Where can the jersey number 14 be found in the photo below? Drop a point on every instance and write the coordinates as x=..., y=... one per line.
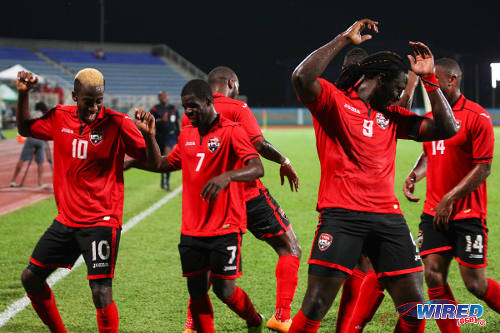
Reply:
x=438, y=146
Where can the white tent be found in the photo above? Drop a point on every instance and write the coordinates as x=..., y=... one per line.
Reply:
x=11, y=73
x=7, y=94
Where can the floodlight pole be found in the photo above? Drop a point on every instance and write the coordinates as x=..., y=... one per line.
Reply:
x=101, y=34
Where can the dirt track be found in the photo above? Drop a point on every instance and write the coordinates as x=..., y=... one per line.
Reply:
x=15, y=198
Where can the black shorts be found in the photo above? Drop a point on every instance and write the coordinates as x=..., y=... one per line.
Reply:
x=265, y=218
x=466, y=240
x=219, y=254
x=343, y=234
x=61, y=245
x=167, y=140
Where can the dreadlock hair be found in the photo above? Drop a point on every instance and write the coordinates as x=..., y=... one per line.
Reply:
x=383, y=62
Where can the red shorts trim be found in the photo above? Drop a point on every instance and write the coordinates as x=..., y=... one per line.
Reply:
x=38, y=263
x=278, y=216
x=101, y=276
x=201, y=271
x=438, y=249
x=463, y=263
x=227, y=277
x=401, y=272
x=274, y=235
x=330, y=265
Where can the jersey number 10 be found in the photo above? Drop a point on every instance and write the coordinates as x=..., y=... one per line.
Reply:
x=79, y=149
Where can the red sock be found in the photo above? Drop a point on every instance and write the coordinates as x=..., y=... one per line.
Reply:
x=189, y=325
x=203, y=314
x=45, y=306
x=444, y=292
x=406, y=326
x=350, y=292
x=302, y=324
x=492, y=296
x=287, y=270
x=371, y=294
x=107, y=319
x=241, y=304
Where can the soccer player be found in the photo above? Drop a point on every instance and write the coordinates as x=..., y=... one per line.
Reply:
x=90, y=142
x=356, y=133
x=453, y=223
x=168, y=126
x=217, y=158
x=362, y=292
x=265, y=219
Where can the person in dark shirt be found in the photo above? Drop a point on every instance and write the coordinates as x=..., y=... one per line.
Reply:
x=167, y=130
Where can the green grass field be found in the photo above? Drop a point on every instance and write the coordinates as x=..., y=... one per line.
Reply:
x=149, y=291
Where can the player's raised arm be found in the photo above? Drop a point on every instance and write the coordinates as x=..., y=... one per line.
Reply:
x=304, y=77
x=24, y=83
x=417, y=173
x=271, y=153
x=145, y=122
x=444, y=125
x=407, y=99
x=252, y=170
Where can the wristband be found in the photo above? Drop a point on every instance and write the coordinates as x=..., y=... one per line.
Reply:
x=430, y=82
x=286, y=162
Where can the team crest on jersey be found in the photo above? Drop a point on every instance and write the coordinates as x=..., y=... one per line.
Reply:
x=324, y=241
x=420, y=239
x=213, y=144
x=96, y=136
x=382, y=121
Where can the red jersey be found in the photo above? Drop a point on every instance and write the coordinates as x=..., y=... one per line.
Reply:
x=450, y=160
x=224, y=148
x=239, y=112
x=88, y=163
x=357, y=149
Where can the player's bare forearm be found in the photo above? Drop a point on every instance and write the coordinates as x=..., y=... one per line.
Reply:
x=252, y=170
x=304, y=77
x=470, y=182
x=268, y=151
x=153, y=156
x=23, y=117
x=444, y=125
x=420, y=168
x=406, y=100
x=164, y=166
x=417, y=173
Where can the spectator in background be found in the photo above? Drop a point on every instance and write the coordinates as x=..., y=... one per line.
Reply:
x=167, y=130
x=32, y=147
x=99, y=54
x=60, y=93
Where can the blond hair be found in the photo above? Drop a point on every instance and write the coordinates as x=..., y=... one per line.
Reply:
x=89, y=76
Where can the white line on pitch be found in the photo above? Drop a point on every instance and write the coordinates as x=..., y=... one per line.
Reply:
x=61, y=273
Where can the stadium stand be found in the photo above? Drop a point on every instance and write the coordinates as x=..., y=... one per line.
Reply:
x=133, y=75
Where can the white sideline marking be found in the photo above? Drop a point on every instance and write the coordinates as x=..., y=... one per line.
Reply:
x=61, y=273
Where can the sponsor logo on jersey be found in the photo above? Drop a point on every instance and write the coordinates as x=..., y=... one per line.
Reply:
x=382, y=121
x=213, y=144
x=352, y=108
x=67, y=130
x=485, y=115
x=324, y=241
x=96, y=136
x=190, y=143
